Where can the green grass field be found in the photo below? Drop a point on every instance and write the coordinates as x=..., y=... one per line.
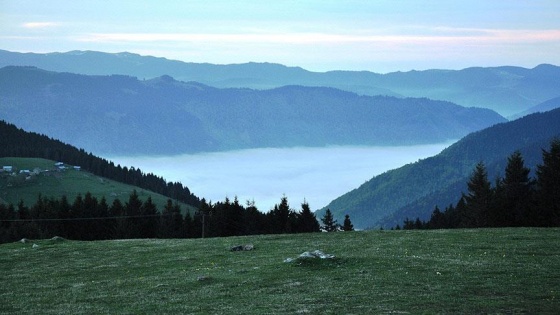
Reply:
x=504, y=271
x=69, y=182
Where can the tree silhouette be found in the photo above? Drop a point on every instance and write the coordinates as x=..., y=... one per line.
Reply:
x=479, y=197
x=307, y=222
x=548, y=186
x=347, y=225
x=329, y=223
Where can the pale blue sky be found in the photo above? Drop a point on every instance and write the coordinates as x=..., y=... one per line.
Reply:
x=318, y=35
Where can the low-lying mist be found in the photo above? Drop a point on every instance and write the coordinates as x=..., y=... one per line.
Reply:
x=317, y=175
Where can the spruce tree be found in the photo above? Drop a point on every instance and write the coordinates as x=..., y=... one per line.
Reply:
x=149, y=221
x=307, y=222
x=329, y=223
x=132, y=210
x=516, y=192
x=347, y=224
x=437, y=220
x=479, y=197
x=548, y=186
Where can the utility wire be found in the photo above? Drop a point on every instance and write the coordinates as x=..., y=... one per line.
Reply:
x=90, y=218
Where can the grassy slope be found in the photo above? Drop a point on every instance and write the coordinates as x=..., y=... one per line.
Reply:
x=457, y=271
x=69, y=183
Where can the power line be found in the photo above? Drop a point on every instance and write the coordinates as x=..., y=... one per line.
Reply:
x=88, y=219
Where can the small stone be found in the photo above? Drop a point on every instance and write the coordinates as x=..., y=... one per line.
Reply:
x=236, y=248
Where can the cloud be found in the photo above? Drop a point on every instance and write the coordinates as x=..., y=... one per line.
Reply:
x=39, y=25
x=437, y=35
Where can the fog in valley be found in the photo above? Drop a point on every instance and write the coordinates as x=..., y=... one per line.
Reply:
x=317, y=175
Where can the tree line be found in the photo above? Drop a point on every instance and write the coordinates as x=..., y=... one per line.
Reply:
x=514, y=200
x=88, y=218
x=16, y=142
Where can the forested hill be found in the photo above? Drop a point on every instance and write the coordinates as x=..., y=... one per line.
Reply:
x=123, y=115
x=415, y=189
x=507, y=90
x=15, y=142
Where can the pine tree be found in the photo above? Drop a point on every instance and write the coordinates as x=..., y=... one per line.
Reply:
x=516, y=193
x=132, y=210
x=166, y=222
x=347, y=225
x=118, y=223
x=548, y=186
x=479, y=197
x=283, y=218
x=307, y=222
x=149, y=222
x=437, y=220
x=329, y=223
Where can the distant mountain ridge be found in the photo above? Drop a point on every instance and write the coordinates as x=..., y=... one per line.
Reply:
x=121, y=115
x=415, y=189
x=540, y=108
x=508, y=90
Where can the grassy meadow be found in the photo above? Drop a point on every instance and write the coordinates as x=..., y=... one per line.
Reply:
x=509, y=271
x=69, y=182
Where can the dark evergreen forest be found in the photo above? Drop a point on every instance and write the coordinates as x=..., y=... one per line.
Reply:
x=513, y=200
x=88, y=218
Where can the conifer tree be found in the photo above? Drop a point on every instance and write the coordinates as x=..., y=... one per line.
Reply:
x=515, y=193
x=347, y=225
x=118, y=223
x=282, y=217
x=437, y=220
x=548, y=186
x=149, y=221
x=479, y=197
x=171, y=221
x=307, y=222
x=132, y=209
x=329, y=223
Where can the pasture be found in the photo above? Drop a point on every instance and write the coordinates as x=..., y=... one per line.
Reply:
x=508, y=271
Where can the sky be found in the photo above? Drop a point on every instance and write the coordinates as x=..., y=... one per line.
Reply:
x=318, y=35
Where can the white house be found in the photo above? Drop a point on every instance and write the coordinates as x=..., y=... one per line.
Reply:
x=7, y=168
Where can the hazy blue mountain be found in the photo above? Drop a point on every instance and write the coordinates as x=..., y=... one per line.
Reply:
x=507, y=90
x=122, y=115
x=415, y=189
x=542, y=107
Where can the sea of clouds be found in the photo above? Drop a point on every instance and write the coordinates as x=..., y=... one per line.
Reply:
x=317, y=175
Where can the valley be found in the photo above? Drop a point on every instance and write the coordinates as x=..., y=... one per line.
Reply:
x=264, y=175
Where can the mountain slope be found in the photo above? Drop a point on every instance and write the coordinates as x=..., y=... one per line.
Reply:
x=507, y=90
x=48, y=181
x=27, y=150
x=123, y=115
x=542, y=107
x=415, y=189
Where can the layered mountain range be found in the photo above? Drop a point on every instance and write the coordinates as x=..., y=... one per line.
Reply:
x=127, y=104
x=121, y=115
x=507, y=90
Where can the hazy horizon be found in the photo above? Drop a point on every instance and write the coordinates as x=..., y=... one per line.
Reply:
x=316, y=175
x=377, y=36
